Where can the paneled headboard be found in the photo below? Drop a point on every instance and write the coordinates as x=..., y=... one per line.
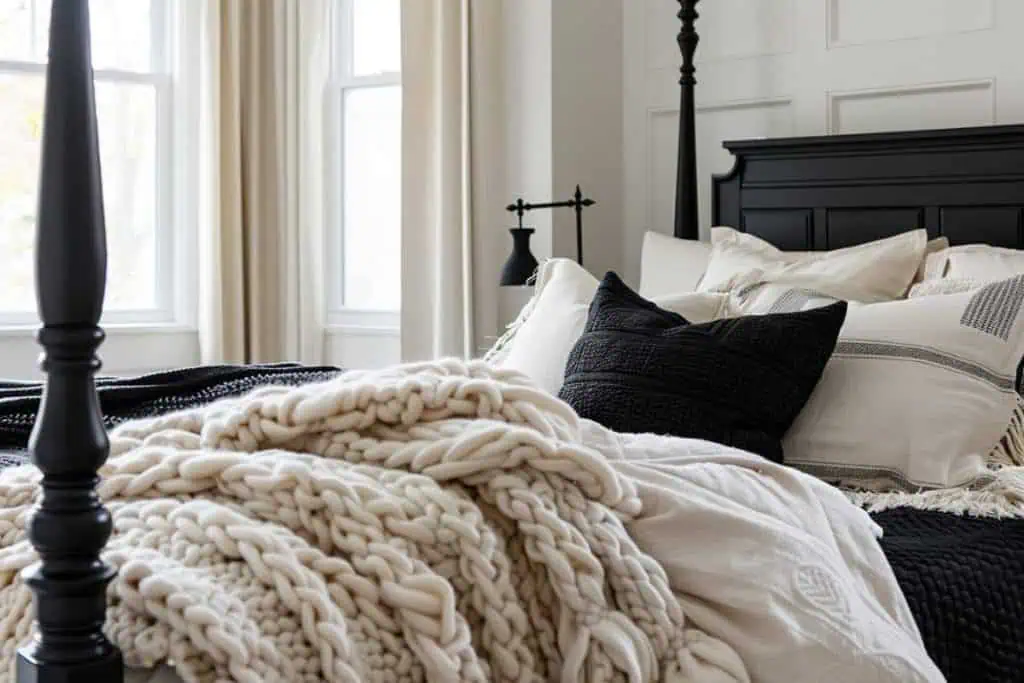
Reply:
x=834, y=191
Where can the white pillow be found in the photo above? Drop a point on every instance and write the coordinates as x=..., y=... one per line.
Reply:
x=933, y=247
x=881, y=270
x=948, y=285
x=669, y=265
x=761, y=298
x=918, y=391
x=554, y=319
x=974, y=261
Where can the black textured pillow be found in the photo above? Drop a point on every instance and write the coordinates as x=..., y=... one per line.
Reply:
x=638, y=368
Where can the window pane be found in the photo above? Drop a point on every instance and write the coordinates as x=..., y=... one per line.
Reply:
x=127, y=129
x=121, y=33
x=15, y=29
x=20, y=128
x=127, y=148
x=372, y=210
x=376, y=37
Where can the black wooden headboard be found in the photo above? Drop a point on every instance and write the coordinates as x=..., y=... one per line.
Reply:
x=834, y=191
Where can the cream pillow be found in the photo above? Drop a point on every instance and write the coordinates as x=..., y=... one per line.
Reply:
x=881, y=270
x=919, y=392
x=947, y=285
x=723, y=233
x=669, y=265
x=554, y=319
x=980, y=262
x=761, y=298
x=934, y=246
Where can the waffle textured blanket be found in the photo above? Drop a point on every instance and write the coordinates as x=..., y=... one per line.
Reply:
x=450, y=522
x=965, y=576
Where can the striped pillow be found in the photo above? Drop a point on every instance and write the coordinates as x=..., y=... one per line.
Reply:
x=918, y=392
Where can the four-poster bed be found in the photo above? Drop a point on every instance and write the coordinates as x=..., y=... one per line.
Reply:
x=812, y=193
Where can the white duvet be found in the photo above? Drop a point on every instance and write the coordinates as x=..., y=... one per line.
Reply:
x=777, y=564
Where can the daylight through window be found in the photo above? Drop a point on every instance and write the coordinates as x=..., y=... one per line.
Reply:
x=130, y=40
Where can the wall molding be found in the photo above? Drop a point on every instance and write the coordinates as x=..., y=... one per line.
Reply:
x=791, y=17
x=732, y=105
x=832, y=40
x=835, y=98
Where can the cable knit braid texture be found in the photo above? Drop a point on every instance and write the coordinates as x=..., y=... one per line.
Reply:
x=440, y=521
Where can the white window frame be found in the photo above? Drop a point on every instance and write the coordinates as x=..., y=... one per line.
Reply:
x=342, y=79
x=166, y=336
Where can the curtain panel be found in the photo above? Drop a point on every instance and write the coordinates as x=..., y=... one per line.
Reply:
x=265, y=67
x=452, y=175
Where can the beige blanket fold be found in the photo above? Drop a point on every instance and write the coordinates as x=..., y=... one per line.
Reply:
x=440, y=522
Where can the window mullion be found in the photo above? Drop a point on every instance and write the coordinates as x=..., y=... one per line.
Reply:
x=10, y=66
x=343, y=44
x=160, y=25
x=33, y=49
x=371, y=81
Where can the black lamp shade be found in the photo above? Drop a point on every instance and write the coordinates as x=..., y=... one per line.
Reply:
x=521, y=264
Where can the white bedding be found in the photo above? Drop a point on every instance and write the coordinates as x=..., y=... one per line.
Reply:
x=774, y=562
x=775, y=575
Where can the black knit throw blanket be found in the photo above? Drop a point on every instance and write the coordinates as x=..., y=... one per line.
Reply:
x=963, y=577
x=147, y=396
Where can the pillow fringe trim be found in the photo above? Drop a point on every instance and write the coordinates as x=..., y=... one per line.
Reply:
x=1001, y=497
x=1010, y=449
x=999, y=493
x=539, y=277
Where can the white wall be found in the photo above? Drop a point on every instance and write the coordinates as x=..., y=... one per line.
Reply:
x=564, y=95
x=529, y=107
x=805, y=67
x=587, y=127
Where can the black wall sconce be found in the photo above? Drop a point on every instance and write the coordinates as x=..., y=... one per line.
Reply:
x=521, y=264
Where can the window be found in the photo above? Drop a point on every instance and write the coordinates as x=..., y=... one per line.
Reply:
x=366, y=208
x=138, y=98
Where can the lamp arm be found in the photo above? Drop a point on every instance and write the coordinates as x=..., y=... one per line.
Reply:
x=576, y=203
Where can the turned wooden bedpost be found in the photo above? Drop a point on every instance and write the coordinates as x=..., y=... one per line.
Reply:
x=686, y=219
x=70, y=527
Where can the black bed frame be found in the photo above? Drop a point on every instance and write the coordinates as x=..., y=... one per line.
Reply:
x=798, y=193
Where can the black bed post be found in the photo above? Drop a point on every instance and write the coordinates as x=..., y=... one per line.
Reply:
x=686, y=222
x=69, y=443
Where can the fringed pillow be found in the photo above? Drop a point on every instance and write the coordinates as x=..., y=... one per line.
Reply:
x=920, y=393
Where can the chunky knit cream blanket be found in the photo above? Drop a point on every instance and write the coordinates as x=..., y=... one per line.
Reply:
x=439, y=522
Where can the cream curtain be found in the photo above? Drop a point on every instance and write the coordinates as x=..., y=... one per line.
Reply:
x=265, y=67
x=452, y=175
